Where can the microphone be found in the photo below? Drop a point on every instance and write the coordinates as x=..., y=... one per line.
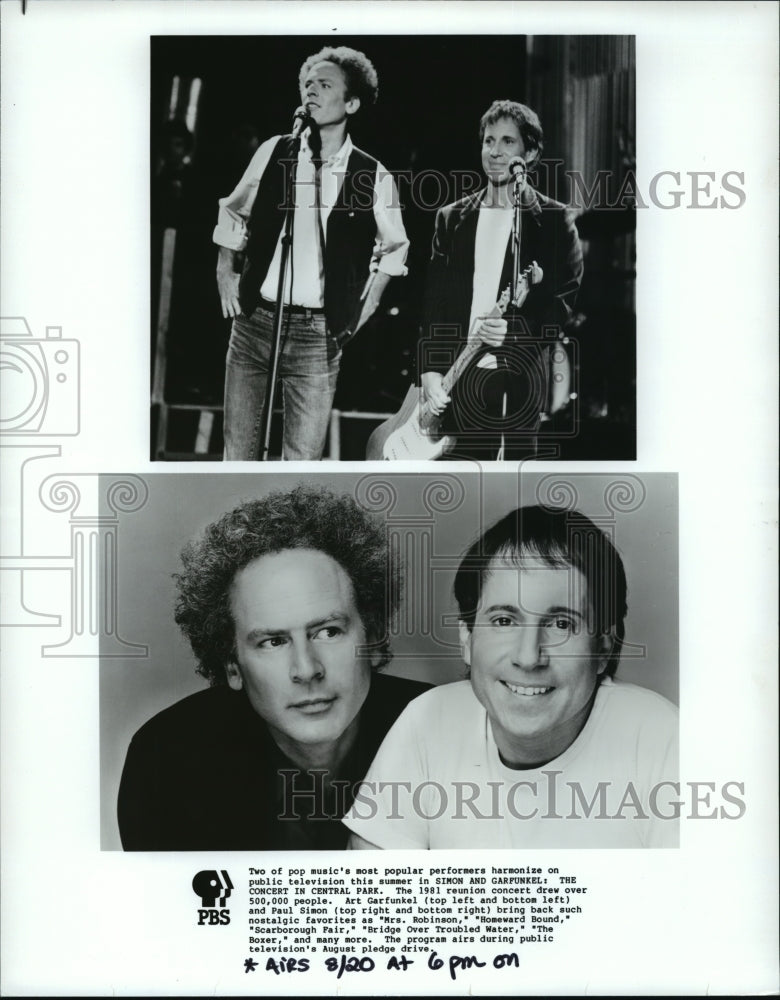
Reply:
x=517, y=169
x=301, y=119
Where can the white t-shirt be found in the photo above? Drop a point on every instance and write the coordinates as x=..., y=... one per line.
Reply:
x=438, y=780
x=494, y=227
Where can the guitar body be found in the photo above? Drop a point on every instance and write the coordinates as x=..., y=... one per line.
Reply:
x=403, y=436
x=414, y=433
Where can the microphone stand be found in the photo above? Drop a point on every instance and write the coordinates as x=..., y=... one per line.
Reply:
x=517, y=190
x=286, y=247
x=518, y=178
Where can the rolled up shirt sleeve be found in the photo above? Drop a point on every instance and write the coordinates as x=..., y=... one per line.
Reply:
x=391, y=255
x=234, y=210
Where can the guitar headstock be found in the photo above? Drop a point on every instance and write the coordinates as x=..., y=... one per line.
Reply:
x=503, y=301
x=531, y=275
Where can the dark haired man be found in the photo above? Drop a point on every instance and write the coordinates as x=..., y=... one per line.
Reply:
x=347, y=223
x=516, y=375
x=550, y=750
x=286, y=603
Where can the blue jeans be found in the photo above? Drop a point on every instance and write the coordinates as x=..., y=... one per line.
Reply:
x=308, y=369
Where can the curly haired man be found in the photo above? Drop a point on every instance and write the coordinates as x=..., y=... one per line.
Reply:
x=286, y=603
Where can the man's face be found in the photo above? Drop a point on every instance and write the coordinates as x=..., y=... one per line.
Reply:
x=534, y=658
x=297, y=633
x=501, y=142
x=324, y=94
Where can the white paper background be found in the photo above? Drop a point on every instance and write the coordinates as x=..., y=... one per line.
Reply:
x=75, y=254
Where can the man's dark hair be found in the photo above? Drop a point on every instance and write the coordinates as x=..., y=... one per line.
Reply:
x=527, y=121
x=359, y=73
x=303, y=518
x=560, y=538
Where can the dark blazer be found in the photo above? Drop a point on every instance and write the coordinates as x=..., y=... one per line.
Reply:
x=205, y=774
x=548, y=236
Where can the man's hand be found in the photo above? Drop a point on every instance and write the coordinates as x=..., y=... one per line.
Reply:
x=433, y=392
x=492, y=331
x=532, y=275
x=227, y=283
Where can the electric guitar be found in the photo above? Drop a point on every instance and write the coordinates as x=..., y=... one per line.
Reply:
x=414, y=433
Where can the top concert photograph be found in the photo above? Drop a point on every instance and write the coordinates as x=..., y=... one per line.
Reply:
x=403, y=248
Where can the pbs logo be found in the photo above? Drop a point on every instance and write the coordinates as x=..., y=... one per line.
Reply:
x=213, y=887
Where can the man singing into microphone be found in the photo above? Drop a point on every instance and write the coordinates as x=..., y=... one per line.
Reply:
x=347, y=224
x=520, y=370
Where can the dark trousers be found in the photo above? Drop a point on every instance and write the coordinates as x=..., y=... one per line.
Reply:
x=496, y=412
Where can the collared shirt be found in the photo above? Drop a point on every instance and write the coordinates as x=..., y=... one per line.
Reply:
x=307, y=270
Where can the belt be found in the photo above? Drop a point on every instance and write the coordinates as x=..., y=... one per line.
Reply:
x=293, y=310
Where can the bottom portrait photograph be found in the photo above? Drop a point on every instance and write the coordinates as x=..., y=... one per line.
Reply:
x=370, y=662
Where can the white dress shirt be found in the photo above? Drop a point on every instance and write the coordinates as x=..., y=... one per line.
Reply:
x=307, y=268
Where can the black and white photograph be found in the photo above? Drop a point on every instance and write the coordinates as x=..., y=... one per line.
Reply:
x=503, y=164
x=535, y=616
x=498, y=718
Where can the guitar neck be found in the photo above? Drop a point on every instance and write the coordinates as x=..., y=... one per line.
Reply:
x=462, y=362
x=471, y=349
x=473, y=344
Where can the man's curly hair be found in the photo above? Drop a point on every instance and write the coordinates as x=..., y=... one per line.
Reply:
x=303, y=518
x=359, y=73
